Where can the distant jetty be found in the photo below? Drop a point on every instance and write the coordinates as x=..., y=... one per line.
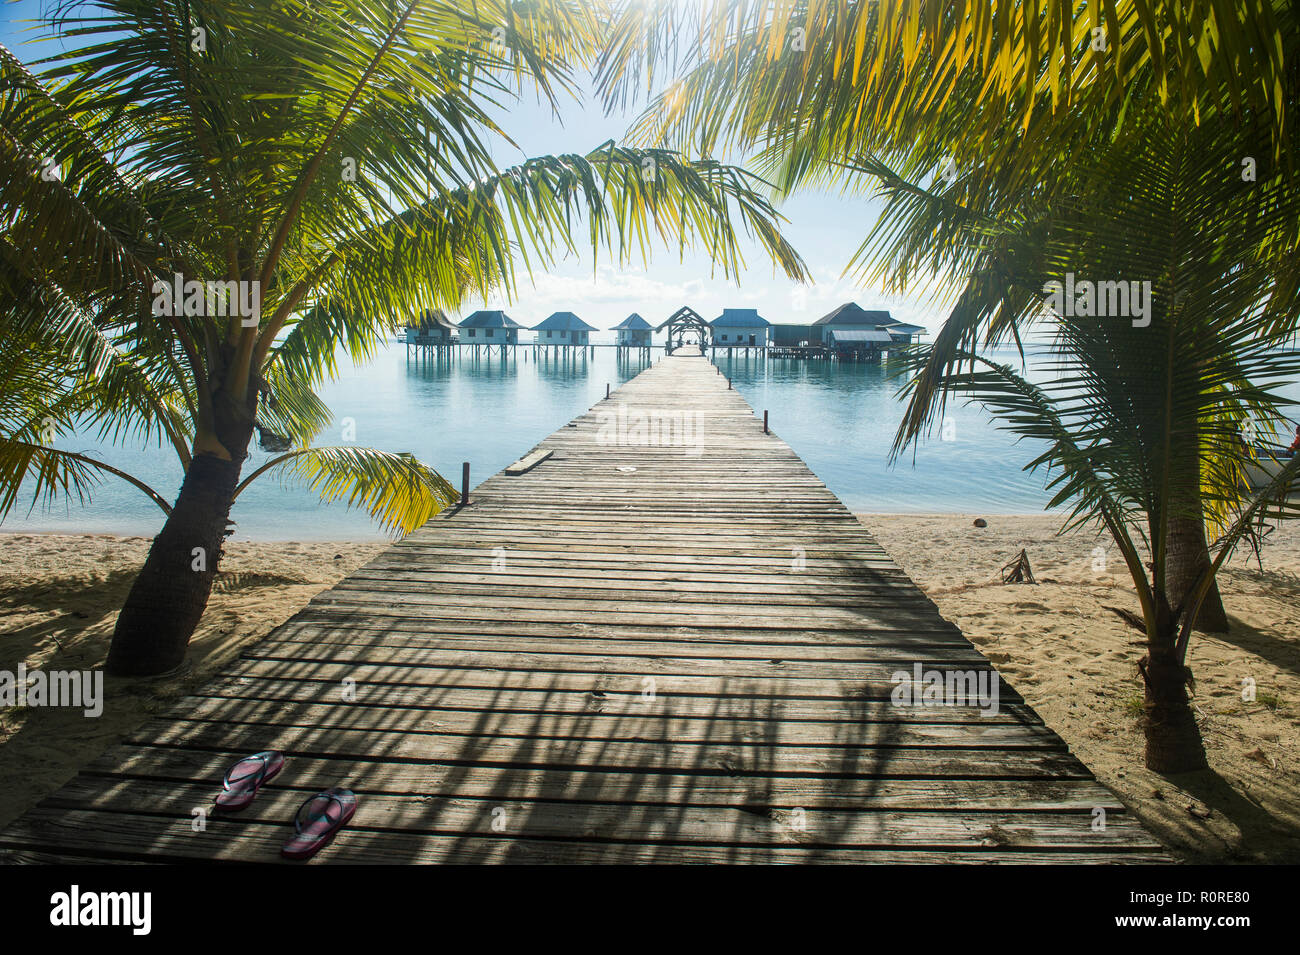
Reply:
x=849, y=333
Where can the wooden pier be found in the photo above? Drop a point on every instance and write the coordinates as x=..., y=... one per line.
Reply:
x=665, y=642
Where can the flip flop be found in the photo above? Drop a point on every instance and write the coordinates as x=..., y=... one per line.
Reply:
x=318, y=819
x=246, y=777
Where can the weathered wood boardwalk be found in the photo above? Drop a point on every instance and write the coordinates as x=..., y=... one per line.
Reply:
x=648, y=648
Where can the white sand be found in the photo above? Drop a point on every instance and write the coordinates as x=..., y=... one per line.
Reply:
x=1075, y=662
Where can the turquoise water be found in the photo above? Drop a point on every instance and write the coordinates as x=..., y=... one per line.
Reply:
x=839, y=417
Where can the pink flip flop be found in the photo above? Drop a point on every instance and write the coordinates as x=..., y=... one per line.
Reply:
x=246, y=777
x=318, y=819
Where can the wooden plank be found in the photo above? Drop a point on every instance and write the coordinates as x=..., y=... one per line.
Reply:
x=159, y=838
x=755, y=823
x=438, y=659
x=910, y=728
x=540, y=700
x=529, y=461
x=318, y=626
x=686, y=645
x=632, y=787
x=666, y=680
x=871, y=754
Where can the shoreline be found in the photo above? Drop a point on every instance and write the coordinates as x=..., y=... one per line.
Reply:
x=1058, y=643
x=377, y=540
x=381, y=540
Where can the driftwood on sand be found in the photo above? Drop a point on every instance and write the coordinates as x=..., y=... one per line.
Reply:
x=1017, y=571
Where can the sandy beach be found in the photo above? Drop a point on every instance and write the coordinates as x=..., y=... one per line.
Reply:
x=1075, y=661
x=1058, y=643
x=59, y=597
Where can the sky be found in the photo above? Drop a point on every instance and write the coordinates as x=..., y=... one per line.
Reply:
x=825, y=228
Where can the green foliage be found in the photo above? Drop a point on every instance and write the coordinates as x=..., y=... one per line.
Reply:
x=395, y=489
x=339, y=157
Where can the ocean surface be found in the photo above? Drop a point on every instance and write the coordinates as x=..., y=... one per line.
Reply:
x=840, y=418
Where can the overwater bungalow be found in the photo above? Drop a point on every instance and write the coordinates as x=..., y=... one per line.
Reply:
x=904, y=333
x=563, y=328
x=740, y=328
x=858, y=342
x=855, y=333
x=431, y=327
x=851, y=317
x=489, y=327
x=794, y=336
x=633, y=332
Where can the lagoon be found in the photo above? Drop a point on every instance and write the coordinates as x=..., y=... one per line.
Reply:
x=840, y=418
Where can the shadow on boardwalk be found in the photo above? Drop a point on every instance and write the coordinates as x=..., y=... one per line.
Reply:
x=607, y=660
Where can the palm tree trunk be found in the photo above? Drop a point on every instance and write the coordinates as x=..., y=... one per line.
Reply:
x=1173, y=740
x=172, y=589
x=1188, y=556
x=1187, y=553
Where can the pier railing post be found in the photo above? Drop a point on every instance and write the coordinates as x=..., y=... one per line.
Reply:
x=765, y=431
x=464, y=484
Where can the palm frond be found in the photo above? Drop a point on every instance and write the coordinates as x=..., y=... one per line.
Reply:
x=53, y=474
x=396, y=490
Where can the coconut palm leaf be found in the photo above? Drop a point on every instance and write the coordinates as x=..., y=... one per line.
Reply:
x=53, y=474
x=837, y=73
x=110, y=390
x=396, y=490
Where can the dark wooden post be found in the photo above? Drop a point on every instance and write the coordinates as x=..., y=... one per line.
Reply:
x=607, y=391
x=765, y=431
x=464, y=484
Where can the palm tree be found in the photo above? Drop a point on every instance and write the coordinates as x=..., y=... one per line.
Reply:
x=1141, y=423
x=1108, y=422
x=316, y=170
x=39, y=401
x=1137, y=158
